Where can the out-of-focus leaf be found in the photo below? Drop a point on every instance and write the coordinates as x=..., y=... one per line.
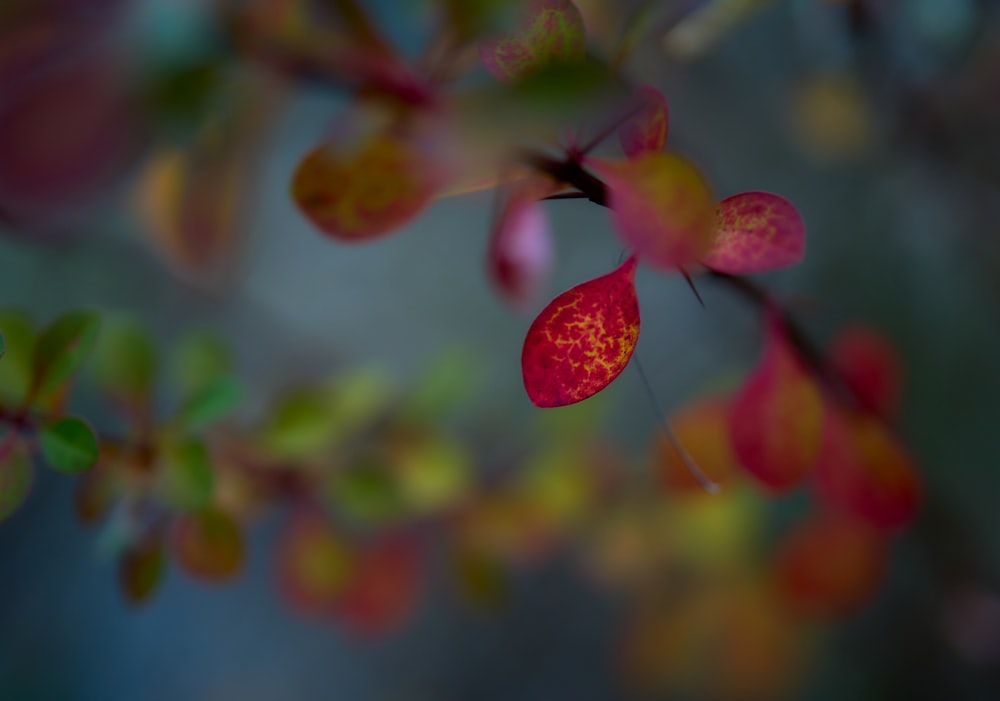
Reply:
x=582, y=340
x=864, y=471
x=212, y=402
x=832, y=119
x=15, y=475
x=385, y=588
x=61, y=348
x=366, y=493
x=559, y=484
x=830, y=565
x=702, y=428
x=556, y=94
x=548, y=32
x=185, y=479
x=432, y=470
x=123, y=360
x=480, y=579
x=53, y=159
x=521, y=252
x=69, y=445
x=661, y=207
x=96, y=492
x=646, y=130
x=314, y=564
x=301, y=425
x=200, y=359
x=15, y=367
x=208, y=544
x=754, y=232
x=871, y=367
x=776, y=418
x=140, y=570
x=357, y=192
x=450, y=381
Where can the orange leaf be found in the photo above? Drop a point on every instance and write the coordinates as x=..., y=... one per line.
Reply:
x=702, y=428
x=661, y=207
x=362, y=192
x=776, y=418
x=208, y=545
x=582, y=340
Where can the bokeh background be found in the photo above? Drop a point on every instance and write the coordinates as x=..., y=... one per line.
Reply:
x=879, y=119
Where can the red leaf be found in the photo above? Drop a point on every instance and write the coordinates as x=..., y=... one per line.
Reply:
x=754, y=232
x=831, y=565
x=646, y=130
x=364, y=191
x=864, y=471
x=385, y=588
x=870, y=366
x=549, y=31
x=661, y=207
x=521, y=251
x=775, y=422
x=582, y=340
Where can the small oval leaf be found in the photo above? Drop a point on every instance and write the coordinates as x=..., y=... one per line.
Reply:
x=755, y=232
x=775, y=420
x=314, y=564
x=141, y=568
x=521, y=250
x=15, y=475
x=61, y=349
x=864, y=471
x=871, y=368
x=549, y=31
x=212, y=402
x=208, y=545
x=360, y=192
x=582, y=340
x=69, y=445
x=661, y=207
x=646, y=130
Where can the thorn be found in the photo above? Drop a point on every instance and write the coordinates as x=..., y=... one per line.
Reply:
x=690, y=282
x=566, y=196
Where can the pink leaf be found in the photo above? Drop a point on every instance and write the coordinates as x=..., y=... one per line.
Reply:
x=754, y=232
x=549, y=31
x=776, y=419
x=521, y=251
x=646, y=130
x=661, y=207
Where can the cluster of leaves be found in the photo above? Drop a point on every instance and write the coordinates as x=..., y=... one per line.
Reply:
x=373, y=482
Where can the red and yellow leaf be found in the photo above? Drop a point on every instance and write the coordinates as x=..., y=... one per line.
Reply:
x=661, y=207
x=582, y=340
x=549, y=31
x=870, y=366
x=754, y=232
x=357, y=193
x=776, y=418
x=864, y=471
x=646, y=130
x=521, y=250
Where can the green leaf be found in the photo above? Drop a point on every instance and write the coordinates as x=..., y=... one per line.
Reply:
x=366, y=493
x=123, y=360
x=141, y=569
x=3, y=345
x=15, y=475
x=185, y=479
x=69, y=445
x=450, y=382
x=200, y=359
x=61, y=349
x=15, y=369
x=302, y=424
x=211, y=403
